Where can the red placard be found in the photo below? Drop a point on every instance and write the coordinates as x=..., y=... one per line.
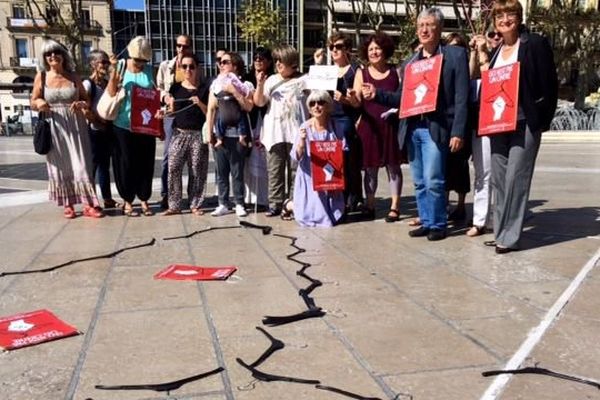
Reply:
x=327, y=165
x=178, y=272
x=32, y=328
x=144, y=105
x=499, y=100
x=420, y=86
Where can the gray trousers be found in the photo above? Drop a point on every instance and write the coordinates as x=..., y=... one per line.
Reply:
x=278, y=161
x=513, y=159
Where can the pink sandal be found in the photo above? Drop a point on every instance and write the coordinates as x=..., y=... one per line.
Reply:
x=92, y=212
x=69, y=212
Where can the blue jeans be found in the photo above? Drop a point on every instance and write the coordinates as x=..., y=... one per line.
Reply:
x=102, y=147
x=428, y=168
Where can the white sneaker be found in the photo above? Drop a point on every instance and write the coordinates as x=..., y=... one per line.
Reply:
x=240, y=211
x=221, y=210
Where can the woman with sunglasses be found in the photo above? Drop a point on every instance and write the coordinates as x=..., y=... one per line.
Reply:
x=378, y=136
x=514, y=153
x=186, y=145
x=344, y=117
x=310, y=207
x=233, y=100
x=283, y=93
x=59, y=93
x=481, y=47
x=255, y=171
x=133, y=152
x=101, y=134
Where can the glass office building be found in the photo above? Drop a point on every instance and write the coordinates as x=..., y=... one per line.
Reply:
x=212, y=24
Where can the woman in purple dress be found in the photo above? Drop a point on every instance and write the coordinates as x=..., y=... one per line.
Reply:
x=310, y=207
x=376, y=128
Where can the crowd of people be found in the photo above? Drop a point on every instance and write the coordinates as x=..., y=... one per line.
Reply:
x=260, y=125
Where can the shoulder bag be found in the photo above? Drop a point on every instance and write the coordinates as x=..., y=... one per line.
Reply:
x=42, y=135
x=108, y=106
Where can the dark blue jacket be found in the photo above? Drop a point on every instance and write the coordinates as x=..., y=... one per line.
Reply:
x=450, y=117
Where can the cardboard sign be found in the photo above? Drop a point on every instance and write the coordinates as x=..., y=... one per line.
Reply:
x=32, y=328
x=327, y=165
x=322, y=77
x=177, y=272
x=498, y=107
x=144, y=105
x=420, y=86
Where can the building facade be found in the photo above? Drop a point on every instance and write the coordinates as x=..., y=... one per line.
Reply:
x=212, y=24
x=126, y=24
x=21, y=35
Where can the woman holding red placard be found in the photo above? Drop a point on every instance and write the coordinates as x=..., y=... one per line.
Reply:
x=514, y=153
x=310, y=207
x=133, y=162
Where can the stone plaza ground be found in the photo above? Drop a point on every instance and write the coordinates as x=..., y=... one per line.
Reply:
x=405, y=318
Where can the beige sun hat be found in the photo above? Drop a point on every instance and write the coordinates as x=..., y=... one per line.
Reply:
x=139, y=47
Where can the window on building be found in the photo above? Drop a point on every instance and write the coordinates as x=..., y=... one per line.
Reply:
x=51, y=14
x=85, y=18
x=86, y=49
x=18, y=11
x=21, y=48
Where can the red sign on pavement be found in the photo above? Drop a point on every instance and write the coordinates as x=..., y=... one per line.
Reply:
x=420, y=86
x=499, y=100
x=180, y=272
x=35, y=327
x=327, y=165
x=144, y=105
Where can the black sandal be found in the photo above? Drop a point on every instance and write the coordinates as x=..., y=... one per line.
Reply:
x=287, y=214
x=393, y=216
x=272, y=212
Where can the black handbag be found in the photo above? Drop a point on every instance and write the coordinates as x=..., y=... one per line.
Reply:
x=42, y=136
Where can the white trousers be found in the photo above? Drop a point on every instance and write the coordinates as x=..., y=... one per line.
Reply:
x=481, y=194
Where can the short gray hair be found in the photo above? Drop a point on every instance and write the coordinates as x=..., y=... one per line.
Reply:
x=432, y=12
x=49, y=45
x=96, y=55
x=319, y=95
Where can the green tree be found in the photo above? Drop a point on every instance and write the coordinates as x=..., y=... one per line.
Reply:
x=575, y=36
x=62, y=18
x=260, y=22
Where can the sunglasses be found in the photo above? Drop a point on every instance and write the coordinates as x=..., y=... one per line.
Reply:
x=104, y=62
x=53, y=53
x=183, y=46
x=492, y=35
x=313, y=103
x=259, y=58
x=336, y=46
x=190, y=67
x=224, y=62
x=140, y=60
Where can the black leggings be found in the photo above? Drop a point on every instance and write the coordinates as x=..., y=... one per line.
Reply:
x=133, y=164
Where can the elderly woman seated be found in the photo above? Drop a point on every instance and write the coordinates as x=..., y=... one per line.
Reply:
x=315, y=207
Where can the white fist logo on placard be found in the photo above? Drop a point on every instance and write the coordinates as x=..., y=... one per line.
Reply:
x=146, y=116
x=20, y=326
x=499, y=105
x=420, y=92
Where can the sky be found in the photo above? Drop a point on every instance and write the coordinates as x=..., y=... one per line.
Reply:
x=129, y=4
